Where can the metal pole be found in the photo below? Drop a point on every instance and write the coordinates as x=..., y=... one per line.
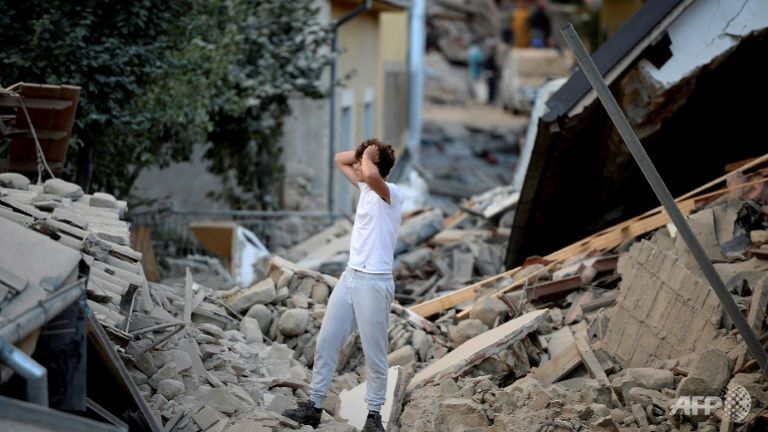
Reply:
x=33, y=372
x=416, y=75
x=332, y=132
x=662, y=193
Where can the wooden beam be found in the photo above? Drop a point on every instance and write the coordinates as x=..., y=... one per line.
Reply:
x=30, y=103
x=455, y=219
x=605, y=300
x=560, y=366
x=755, y=162
x=593, y=365
x=448, y=301
x=188, y=283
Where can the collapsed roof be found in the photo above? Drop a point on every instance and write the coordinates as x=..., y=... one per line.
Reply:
x=666, y=67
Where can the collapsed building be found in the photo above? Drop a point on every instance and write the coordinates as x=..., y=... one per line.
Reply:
x=666, y=66
x=606, y=324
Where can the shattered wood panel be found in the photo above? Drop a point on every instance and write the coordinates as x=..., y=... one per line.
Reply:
x=477, y=349
x=594, y=367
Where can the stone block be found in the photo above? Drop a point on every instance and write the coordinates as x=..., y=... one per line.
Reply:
x=63, y=189
x=293, y=322
x=206, y=417
x=251, y=330
x=262, y=314
x=170, y=388
x=487, y=310
x=402, y=357
x=14, y=181
x=262, y=293
x=169, y=371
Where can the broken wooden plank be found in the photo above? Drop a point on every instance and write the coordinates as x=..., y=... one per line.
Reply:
x=450, y=300
x=558, y=341
x=593, y=365
x=454, y=219
x=454, y=235
x=188, y=283
x=561, y=365
x=477, y=349
x=30, y=103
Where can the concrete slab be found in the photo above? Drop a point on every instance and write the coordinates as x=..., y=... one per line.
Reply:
x=559, y=341
x=35, y=257
x=355, y=411
x=478, y=348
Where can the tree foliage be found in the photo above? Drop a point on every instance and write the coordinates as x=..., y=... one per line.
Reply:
x=160, y=77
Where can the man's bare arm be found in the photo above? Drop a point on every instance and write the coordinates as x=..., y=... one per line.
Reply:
x=344, y=162
x=371, y=173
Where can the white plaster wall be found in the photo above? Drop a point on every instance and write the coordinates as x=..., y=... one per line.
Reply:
x=706, y=30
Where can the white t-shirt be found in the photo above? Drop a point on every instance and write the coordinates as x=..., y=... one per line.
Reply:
x=374, y=234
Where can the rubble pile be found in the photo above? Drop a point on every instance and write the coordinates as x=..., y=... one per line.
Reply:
x=203, y=358
x=630, y=330
x=588, y=338
x=454, y=24
x=433, y=253
x=461, y=159
x=447, y=261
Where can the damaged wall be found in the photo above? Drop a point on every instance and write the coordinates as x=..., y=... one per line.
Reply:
x=659, y=318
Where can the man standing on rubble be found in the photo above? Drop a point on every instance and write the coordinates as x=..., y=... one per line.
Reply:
x=365, y=291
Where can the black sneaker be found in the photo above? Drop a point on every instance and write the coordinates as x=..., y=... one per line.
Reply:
x=373, y=422
x=305, y=414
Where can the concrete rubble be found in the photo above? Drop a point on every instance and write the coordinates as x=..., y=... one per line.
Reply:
x=614, y=332
x=643, y=328
x=589, y=340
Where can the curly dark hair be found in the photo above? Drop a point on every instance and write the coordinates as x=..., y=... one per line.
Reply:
x=386, y=155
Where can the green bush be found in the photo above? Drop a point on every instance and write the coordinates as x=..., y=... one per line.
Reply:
x=158, y=77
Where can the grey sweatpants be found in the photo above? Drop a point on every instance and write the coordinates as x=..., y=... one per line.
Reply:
x=359, y=300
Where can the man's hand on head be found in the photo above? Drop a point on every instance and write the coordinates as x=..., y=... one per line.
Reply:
x=372, y=152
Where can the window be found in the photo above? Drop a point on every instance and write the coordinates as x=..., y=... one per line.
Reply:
x=369, y=130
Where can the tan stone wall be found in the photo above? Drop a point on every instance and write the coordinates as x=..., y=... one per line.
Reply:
x=663, y=311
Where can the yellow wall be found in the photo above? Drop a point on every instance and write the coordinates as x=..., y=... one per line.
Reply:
x=393, y=48
x=358, y=41
x=368, y=42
